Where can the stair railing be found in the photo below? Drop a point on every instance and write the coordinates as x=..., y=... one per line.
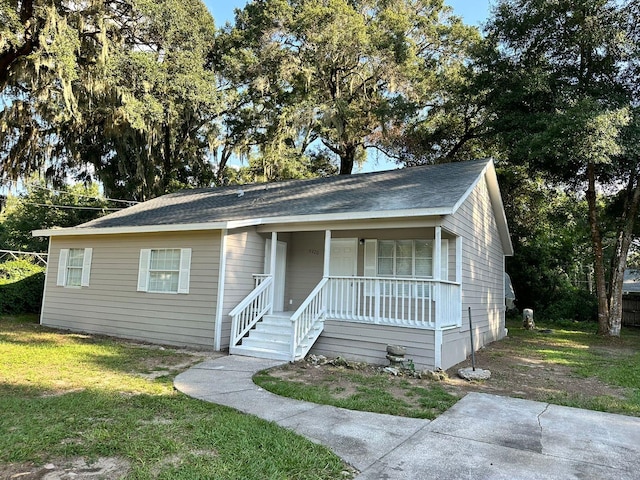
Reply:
x=250, y=310
x=306, y=316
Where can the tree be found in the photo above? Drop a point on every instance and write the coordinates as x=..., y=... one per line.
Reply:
x=121, y=90
x=41, y=208
x=550, y=268
x=564, y=100
x=342, y=74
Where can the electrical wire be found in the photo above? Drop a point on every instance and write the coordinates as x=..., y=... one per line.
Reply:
x=72, y=207
x=131, y=202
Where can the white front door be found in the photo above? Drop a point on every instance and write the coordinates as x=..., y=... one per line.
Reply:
x=280, y=273
x=343, y=262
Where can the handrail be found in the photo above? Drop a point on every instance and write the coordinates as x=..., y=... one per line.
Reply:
x=307, y=314
x=250, y=310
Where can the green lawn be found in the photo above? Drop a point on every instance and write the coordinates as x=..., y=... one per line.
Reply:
x=371, y=392
x=575, y=345
x=65, y=396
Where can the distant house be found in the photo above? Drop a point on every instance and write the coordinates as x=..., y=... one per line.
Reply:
x=631, y=297
x=340, y=266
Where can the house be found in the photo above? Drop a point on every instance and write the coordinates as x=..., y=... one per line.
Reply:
x=338, y=266
x=631, y=297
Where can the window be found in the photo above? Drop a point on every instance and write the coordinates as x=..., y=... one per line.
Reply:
x=164, y=270
x=405, y=258
x=74, y=267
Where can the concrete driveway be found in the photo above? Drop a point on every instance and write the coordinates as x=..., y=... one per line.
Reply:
x=481, y=437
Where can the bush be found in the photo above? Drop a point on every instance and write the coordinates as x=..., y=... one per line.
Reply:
x=21, y=287
x=573, y=304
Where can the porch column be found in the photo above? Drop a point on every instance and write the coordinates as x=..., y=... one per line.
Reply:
x=437, y=254
x=458, y=259
x=437, y=271
x=272, y=267
x=327, y=253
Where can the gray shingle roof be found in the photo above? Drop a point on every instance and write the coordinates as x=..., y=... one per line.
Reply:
x=432, y=187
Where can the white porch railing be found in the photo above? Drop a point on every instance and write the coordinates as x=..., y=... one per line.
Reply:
x=305, y=318
x=248, y=312
x=394, y=301
x=258, y=278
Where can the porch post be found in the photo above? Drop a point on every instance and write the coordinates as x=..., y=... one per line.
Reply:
x=272, y=267
x=327, y=253
x=437, y=271
x=459, y=277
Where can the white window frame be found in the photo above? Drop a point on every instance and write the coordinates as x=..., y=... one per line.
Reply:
x=371, y=248
x=443, y=267
x=64, y=267
x=184, y=271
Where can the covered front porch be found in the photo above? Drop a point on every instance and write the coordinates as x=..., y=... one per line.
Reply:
x=407, y=278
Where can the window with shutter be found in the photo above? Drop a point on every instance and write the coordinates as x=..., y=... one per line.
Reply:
x=164, y=270
x=74, y=267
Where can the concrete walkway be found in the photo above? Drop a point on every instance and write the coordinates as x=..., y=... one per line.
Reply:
x=481, y=437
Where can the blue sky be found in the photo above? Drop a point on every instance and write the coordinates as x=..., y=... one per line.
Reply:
x=474, y=12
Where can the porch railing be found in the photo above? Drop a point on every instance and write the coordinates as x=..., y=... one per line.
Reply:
x=394, y=301
x=304, y=319
x=248, y=312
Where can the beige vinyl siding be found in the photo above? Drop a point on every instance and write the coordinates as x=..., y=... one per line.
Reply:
x=482, y=276
x=244, y=257
x=368, y=343
x=111, y=304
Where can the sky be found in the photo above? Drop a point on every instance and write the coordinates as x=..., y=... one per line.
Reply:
x=473, y=12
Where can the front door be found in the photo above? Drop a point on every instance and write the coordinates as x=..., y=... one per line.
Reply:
x=280, y=273
x=343, y=262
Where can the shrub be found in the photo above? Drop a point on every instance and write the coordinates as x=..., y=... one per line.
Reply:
x=573, y=304
x=21, y=287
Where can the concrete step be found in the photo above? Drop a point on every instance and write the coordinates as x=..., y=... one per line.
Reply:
x=274, y=345
x=270, y=335
x=270, y=328
x=278, y=319
x=259, y=353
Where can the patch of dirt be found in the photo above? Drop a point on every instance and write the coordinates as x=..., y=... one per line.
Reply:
x=67, y=469
x=526, y=377
x=512, y=374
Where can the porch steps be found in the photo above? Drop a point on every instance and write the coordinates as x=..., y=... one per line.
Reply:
x=271, y=339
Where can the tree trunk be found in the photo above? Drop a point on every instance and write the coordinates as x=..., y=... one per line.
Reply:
x=347, y=159
x=598, y=257
x=619, y=262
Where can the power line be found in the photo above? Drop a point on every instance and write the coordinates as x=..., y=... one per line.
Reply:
x=131, y=202
x=73, y=207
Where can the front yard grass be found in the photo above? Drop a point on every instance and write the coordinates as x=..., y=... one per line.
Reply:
x=570, y=366
x=358, y=387
x=66, y=396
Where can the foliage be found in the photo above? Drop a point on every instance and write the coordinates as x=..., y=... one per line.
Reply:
x=21, y=287
x=343, y=75
x=117, y=90
x=563, y=100
x=38, y=208
x=67, y=395
x=551, y=266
